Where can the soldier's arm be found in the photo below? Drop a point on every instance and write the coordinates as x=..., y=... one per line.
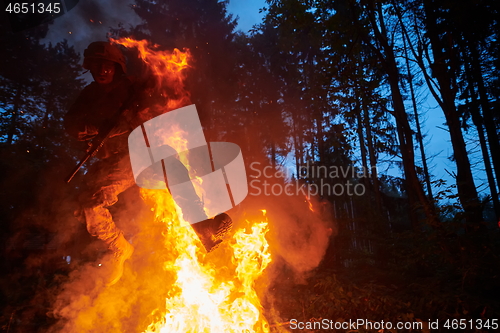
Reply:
x=77, y=121
x=138, y=111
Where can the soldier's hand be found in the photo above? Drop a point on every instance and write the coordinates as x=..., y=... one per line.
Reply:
x=122, y=127
x=88, y=133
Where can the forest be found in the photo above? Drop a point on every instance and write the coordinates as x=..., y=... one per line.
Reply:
x=326, y=92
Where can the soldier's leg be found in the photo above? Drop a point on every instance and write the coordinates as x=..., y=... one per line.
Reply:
x=210, y=231
x=97, y=216
x=107, y=179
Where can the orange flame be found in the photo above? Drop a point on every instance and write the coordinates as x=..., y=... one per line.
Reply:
x=168, y=69
x=204, y=297
x=311, y=208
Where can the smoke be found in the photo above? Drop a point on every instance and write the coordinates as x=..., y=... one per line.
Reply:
x=90, y=21
x=300, y=228
x=40, y=241
x=80, y=302
x=302, y=236
x=83, y=303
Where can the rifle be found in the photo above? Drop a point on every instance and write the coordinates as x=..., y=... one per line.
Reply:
x=102, y=136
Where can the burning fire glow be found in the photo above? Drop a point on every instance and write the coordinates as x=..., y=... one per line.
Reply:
x=168, y=68
x=206, y=296
x=309, y=203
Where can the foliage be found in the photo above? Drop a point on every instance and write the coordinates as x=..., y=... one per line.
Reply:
x=420, y=280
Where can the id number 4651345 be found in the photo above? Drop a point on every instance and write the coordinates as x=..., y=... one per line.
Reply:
x=471, y=324
x=33, y=8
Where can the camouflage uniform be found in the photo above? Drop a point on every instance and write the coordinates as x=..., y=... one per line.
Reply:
x=112, y=173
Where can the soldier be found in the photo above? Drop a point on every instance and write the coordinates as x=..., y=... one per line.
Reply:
x=112, y=173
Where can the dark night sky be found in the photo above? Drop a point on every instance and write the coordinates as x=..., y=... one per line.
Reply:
x=76, y=25
x=77, y=28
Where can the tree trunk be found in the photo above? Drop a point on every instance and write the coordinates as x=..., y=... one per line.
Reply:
x=297, y=143
x=414, y=189
x=372, y=173
x=362, y=146
x=467, y=192
x=362, y=124
x=489, y=122
x=417, y=124
x=478, y=122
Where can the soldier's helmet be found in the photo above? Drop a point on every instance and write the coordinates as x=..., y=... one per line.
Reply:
x=104, y=50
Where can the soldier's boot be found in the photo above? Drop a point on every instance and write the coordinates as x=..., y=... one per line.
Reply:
x=122, y=251
x=211, y=231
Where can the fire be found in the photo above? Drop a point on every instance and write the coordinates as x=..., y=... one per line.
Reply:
x=168, y=69
x=204, y=297
x=175, y=138
x=311, y=208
